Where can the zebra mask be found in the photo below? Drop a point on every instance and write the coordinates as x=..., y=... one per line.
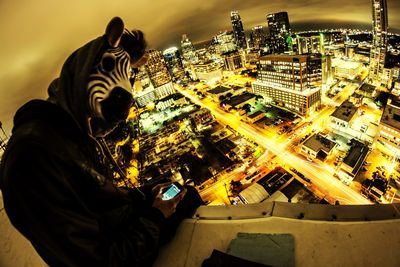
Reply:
x=96, y=80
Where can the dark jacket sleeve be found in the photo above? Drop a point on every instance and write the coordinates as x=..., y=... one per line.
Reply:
x=46, y=206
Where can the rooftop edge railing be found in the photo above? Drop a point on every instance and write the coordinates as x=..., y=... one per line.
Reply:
x=215, y=226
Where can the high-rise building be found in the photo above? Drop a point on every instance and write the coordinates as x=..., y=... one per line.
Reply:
x=173, y=60
x=155, y=80
x=310, y=44
x=225, y=42
x=157, y=69
x=389, y=127
x=232, y=61
x=379, y=39
x=327, y=71
x=291, y=81
x=257, y=37
x=188, y=51
x=279, y=28
x=238, y=31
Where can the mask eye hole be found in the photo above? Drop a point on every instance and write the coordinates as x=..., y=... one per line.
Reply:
x=108, y=63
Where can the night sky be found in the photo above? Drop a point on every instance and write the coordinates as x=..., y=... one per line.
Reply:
x=37, y=36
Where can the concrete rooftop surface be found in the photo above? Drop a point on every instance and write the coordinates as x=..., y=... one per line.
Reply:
x=324, y=235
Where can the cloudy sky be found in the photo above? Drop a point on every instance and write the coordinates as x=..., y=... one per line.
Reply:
x=36, y=36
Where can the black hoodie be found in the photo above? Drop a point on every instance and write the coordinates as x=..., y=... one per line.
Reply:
x=53, y=183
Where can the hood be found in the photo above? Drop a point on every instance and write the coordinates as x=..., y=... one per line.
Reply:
x=45, y=111
x=69, y=92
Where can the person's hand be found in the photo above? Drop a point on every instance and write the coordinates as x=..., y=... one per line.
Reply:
x=167, y=207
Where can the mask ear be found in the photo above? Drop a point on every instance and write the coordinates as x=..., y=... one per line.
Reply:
x=114, y=31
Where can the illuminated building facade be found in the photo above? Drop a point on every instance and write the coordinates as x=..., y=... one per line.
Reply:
x=238, y=31
x=171, y=100
x=146, y=96
x=347, y=69
x=207, y=71
x=225, y=42
x=151, y=94
x=257, y=37
x=292, y=81
x=279, y=28
x=174, y=63
x=310, y=45
x=232, y=61
x=188, y=51
x=155, y=81
x=327, y=71
x=389, y=127
x=157, y=69
x=396, y=81
x=379, y=39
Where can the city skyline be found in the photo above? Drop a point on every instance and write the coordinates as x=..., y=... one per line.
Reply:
x=36, y=38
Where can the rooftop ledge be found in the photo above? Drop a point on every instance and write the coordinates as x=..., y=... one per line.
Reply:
x=324, y=235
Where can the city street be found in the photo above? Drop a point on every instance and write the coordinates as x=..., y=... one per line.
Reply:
x=320, y=175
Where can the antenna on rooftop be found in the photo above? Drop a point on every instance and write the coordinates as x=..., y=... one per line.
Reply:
x=3, y=138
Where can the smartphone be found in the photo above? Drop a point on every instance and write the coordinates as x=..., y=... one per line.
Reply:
x=172, y=191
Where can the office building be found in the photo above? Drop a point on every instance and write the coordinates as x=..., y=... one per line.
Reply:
x=145, y=96
x=174, y=64
x=225, y=42
x=379, y=40
x=279, y=29
x=291, y=81
x=208, y=71
x=257, y=37
x=238, y=31
x=327, y=70
x=188, y=51
x=232, y=61
x=150, y=93
x=347, y=69
x=310, y=44
x=155, y=80
x=389, y=128
x=157, y=69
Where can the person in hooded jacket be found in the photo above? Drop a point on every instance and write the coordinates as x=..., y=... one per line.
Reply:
x=55, y=173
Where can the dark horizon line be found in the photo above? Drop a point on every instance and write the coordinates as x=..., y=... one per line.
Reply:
x=396, y=32
x=296, y=27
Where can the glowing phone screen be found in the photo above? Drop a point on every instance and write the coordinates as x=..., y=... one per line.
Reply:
x=171, y=192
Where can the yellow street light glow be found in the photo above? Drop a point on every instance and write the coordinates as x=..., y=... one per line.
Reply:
x=150, y=106
x=321, y=177
x=391, y=167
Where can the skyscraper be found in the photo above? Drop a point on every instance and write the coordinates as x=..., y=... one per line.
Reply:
x=257, y=37
x=279, y=28
x=310, y=44
x=291, y=81
x=157, y=69
x=232, y=61
x=379, y=39
x=174, y=63
x=188, y=51
x=225, y=42
x=238, y=31
x=155, y=80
